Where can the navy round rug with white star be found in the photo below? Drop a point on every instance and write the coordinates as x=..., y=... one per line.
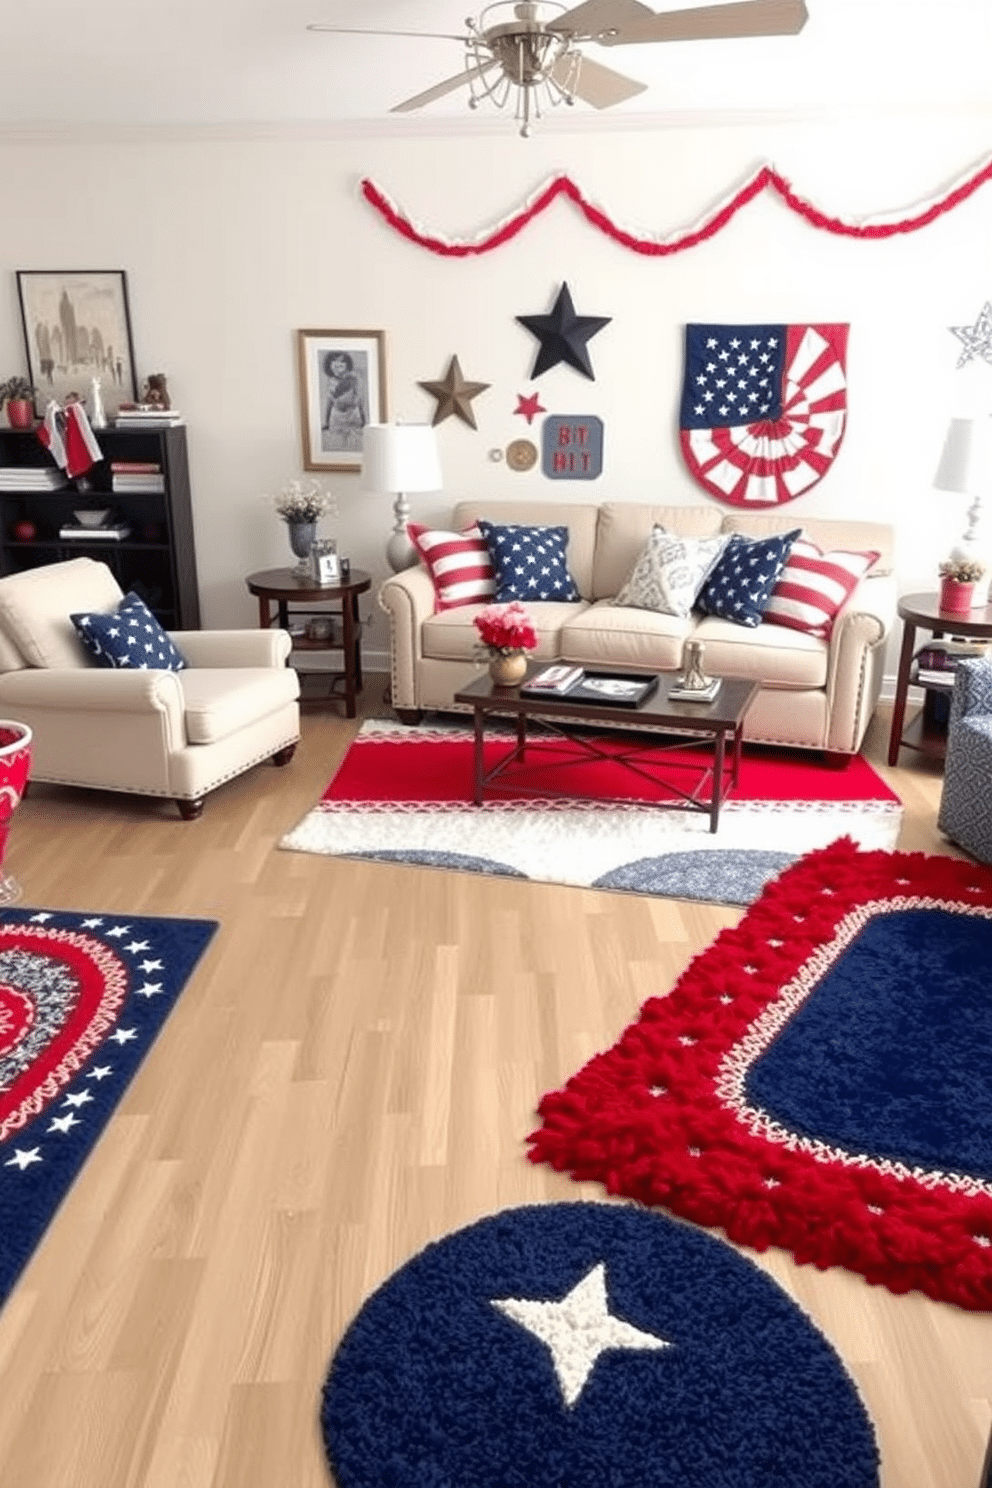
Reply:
x=589, y=1346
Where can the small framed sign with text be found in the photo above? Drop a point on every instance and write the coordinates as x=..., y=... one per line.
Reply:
x=573, y=447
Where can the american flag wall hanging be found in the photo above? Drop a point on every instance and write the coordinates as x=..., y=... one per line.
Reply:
x=764, y=408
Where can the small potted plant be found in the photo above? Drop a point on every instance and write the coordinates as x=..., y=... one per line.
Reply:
x=958, y=577
x=18, y=394
x=507, y=633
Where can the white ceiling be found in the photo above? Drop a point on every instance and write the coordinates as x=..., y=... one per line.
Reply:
x=250, y=65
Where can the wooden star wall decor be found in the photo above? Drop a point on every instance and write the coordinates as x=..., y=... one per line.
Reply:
x=454, y=395
x=563, y=335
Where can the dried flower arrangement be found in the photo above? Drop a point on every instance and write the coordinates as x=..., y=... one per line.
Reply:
x=962, y=570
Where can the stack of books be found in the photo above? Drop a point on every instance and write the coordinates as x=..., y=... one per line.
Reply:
x=32, y=478
x=136, y=475
x=147, y=416
x=554, y=681
x=112, y=532
x=934, y=665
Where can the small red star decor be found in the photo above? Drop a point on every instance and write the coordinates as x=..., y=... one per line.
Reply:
x=530, y=407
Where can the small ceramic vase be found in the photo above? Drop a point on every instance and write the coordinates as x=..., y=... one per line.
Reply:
x=508, y=670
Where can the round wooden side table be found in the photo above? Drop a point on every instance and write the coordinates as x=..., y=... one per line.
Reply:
x=281, y=588
x=924, y=610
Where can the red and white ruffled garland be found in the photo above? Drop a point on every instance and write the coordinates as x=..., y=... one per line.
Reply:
x=765, y=178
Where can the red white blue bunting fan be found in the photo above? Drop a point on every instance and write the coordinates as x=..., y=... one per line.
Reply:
x=763, y=409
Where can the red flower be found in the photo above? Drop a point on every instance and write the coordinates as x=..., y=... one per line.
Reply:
x=506, y=628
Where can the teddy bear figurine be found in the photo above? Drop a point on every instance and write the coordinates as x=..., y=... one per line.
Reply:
x=155, y=393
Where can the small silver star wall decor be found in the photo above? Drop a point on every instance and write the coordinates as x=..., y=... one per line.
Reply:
x=976, y=339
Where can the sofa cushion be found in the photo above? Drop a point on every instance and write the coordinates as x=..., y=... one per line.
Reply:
x=459, y=564
x=450, y=635
x=814, y=585
x=670, y=572
x=581, y=519
x=741, y=583
x=35, y=605
x=625, y=526
x=856, y=535
x=131, y=638
x=606, y=634
x=530, y=562
x=768, y=654
x=221, y=701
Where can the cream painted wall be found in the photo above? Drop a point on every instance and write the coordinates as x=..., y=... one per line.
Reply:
x=231, y=245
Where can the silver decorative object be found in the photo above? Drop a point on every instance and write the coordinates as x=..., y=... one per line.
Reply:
x=693, y=678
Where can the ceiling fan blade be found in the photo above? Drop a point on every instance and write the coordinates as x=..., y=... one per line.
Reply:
x=359, y=31
x=594, y=17
x=596, y=84
x=713, y=22
x=461, y=80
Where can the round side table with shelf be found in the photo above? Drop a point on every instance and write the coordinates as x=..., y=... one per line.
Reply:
x=926, y=732
x=333, y=607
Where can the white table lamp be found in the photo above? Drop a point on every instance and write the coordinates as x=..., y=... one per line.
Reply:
x=966, y=466
x=400, y=458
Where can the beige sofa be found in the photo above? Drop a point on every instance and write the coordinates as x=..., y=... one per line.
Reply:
x=814, y=694
x=155, y=733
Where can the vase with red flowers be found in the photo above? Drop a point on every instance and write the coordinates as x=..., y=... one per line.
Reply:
x=508, y=633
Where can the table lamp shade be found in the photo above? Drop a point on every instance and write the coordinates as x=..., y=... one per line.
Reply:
x=400, y=458
x=966, y=459
x=966, y=466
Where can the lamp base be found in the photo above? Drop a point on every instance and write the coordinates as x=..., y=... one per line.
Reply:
x=400, y=552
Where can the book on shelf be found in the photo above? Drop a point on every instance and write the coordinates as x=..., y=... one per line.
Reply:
x=113, y=532
x=135, y=467
x=147, y=418
x=133, y=484
x=553, y=681
x=935, y=665
x=31, y=478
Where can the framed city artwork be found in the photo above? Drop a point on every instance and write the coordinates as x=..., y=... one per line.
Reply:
x=77, y=327
x=342, y=388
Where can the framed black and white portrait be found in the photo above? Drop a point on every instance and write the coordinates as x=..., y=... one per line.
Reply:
x=342, y=388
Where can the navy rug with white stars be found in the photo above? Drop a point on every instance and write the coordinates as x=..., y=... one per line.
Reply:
x=82, y=997
x=586, y=1345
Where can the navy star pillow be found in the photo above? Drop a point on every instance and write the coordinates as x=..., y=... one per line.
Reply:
x=131, y=639
x=530, y=562
x=740, y=586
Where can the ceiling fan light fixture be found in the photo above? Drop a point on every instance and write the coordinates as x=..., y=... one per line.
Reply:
x=538, y=69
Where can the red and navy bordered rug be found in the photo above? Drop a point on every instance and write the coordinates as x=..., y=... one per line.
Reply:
x=818, y=1079
x=82, y=997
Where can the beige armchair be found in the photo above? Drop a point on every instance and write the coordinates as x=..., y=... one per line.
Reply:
x=155, y=733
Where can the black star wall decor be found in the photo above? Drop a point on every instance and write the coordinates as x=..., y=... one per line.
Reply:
x=454, y=395
x=563, y=335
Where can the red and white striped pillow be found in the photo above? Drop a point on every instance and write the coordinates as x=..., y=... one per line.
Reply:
x=459, y=564
x=813, y=586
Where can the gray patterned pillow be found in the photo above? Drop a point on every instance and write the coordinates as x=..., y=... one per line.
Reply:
x=670, y=572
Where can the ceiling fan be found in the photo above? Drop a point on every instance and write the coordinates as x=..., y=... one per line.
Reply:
x=528, y=51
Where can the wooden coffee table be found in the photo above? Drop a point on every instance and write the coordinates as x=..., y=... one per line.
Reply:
x=719, y=722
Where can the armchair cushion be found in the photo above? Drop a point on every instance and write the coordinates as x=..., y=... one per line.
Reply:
x=35, y=605
x=131, y=638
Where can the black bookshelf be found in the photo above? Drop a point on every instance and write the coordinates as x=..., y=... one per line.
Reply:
x=157, y=559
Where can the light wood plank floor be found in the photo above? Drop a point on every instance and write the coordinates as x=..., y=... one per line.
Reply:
x=352, y=1072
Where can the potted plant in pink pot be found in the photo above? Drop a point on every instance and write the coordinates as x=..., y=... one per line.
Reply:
x=958, y=577
x=18, y=394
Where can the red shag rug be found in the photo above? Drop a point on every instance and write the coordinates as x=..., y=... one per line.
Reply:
x=819, y=1079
